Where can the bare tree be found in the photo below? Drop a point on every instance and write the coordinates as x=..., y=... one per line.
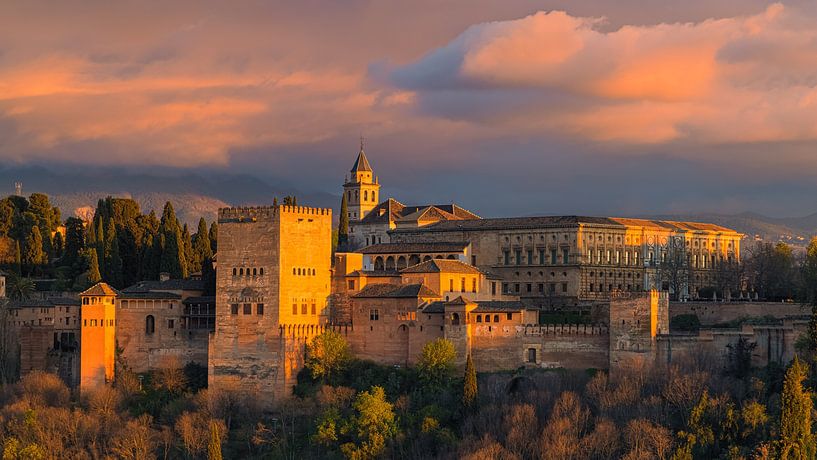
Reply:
x=9, y=345
x=674, y=268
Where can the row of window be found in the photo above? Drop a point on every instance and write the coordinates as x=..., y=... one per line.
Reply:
x=241, y=271
x=552, y=257
x=379, y=240
x=619, y=287
x=618, y=274
x=98, y=322
x=246, y=308
x=462, y=284
x=540, y=287
x=304, y=310
x=365, y=196
x=509, y=317
x=303, y=271
x=94, y=300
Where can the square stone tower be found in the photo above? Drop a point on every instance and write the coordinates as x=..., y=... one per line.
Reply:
x=273, y=280
x=636, y=319
x=97, y=336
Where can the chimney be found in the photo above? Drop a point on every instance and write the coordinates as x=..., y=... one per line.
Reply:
x=164, y=276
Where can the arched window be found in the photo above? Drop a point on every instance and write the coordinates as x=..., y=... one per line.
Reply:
x=496, y=318
x=401, y=262
x=426, y=258
x=235, y=271
x=414, y=260
x=365, y=195
x=294, y=271
x=241, y=271
x=455, y=319
x=487, y=318
x=254, y=271
x=150, y=325
x=378, y=263
x=390, y=263
x=261, y=271
x=479, y=318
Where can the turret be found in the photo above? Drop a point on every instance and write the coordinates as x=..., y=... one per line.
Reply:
x=98, y=340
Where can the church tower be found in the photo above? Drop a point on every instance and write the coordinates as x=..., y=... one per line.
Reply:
x=361, y=188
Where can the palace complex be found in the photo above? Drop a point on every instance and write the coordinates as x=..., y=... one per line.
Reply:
x=499, y=288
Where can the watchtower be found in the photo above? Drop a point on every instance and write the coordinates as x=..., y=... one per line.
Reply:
x=97, y=336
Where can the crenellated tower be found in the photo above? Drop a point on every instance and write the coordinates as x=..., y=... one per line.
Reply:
x=361, y=188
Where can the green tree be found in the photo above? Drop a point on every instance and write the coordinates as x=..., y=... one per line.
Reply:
x=343, y=225
x=469, y=387
x=374, y=423
x=114, y=266
x=699, y=437
x=18, y=258
x=33, y=255
x=327, y=354
x=57, y=246
x=6, y=216
x=437, y=361
x=796, y=439
x=94, y=276
x=100, y=244
x=290, y=200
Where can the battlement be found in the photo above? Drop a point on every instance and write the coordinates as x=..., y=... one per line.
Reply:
x=266, y=213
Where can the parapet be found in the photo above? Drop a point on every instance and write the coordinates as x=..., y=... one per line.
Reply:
x=266, y=213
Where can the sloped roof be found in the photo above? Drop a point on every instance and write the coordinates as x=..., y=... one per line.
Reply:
x=150, y=295
x=460, y=300
x=510, y=223
x=395, y=291
x=438, y=306
x=499, y=306
x=392, y=210
x=169, y=285
x=398, y=248
x=100, y=289
x=442, y=265
x=362, y=163
x=385, y=212
x=201, y=299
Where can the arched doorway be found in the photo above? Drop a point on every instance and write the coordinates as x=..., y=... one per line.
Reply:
x=401, y=262
x=390, y=263
x=378, y=264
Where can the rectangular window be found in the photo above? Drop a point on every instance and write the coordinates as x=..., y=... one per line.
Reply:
x=516, y=287
x=505, y=288
x=532, y=355
x=608, y=257
x=509, y=316
x=374, y=315
x=462, y=284
x=303, y=309
x=553, y=257
x=541, y=257
x=529, y=287
x=530, y=257
x=247, y=308
x=493, y=287
x=351, y=285
x=314, y=309
x=591, y=287
x=564, y=287
x=295, y=309
x=233, y=308
x=541, y=287
x=171, y=323
x=473, y=285
x=259, y=309
x=565, y=256
x=474, y=260
x=552, y=288
x=518, y=254
x=507, y=258
x=451, y=284
x=626, y=258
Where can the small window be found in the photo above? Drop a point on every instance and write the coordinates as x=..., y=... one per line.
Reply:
x=487, y=318
x=233, y=308
x=261, y=271
x=351, y=285
x=496, y=318
x=295, y=309
x=303, y=309
x=473, y=285
x=532, y=355
x=254, y=272
x=509, y=316
x=235, y=271
x=171, y=323
x=564, y=287
x=374, y=315
x=247, y=308
x=150, y=325
x=479, y=318
x=314, y=309
x=259, y=309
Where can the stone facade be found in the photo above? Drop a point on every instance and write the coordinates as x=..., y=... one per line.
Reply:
x=98, y=336
x=272, y=282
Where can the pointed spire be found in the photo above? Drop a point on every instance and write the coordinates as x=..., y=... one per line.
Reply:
x=362, y=163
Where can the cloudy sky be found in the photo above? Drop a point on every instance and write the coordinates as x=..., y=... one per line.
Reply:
x=507, y=107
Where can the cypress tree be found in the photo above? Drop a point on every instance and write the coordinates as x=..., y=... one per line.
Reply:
x=214, y=445
x=100, y=244
x=33, y=255
x=18, y=260
x=201, y=246
x=94, y=275
x=343, y=225
x=57, y=246
x=213, y=237
x=172, y=259
x=469, y=389
x=275, y=201
x=188, y=250
x=796, y=440
x=114, y=266
x=74, y=241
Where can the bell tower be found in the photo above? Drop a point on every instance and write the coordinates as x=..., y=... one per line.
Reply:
x=361, y=188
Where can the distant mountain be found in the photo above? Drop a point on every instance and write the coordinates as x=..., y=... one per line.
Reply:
x=792, y=230
x=193, y=196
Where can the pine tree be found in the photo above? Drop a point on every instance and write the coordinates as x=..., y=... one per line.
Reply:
x=469, y=389
x=796, y=439
x=214, y=446
x=33, y=255
x=94, y=275
x=343, y=225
